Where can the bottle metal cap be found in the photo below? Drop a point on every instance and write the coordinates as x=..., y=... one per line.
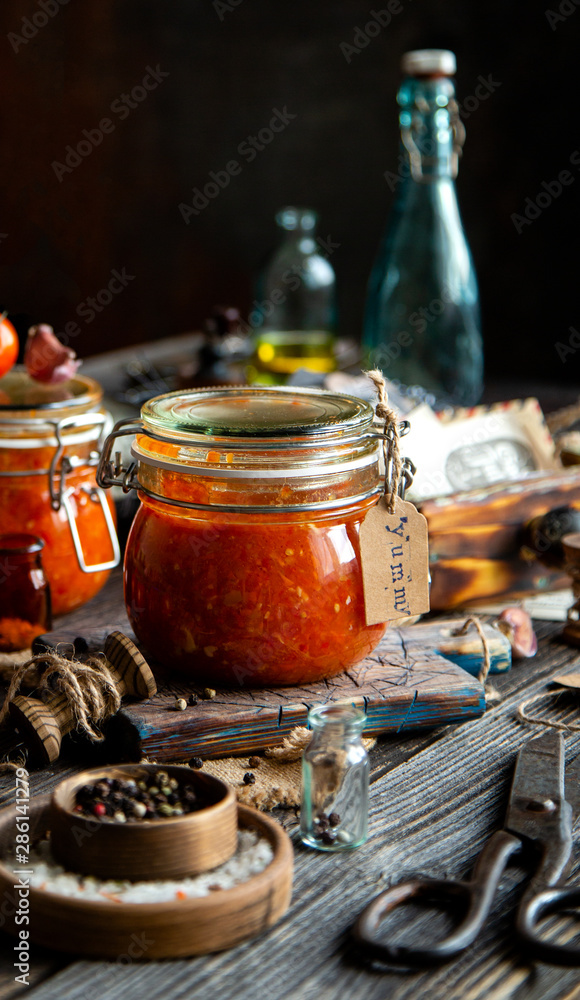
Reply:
x=428, y=62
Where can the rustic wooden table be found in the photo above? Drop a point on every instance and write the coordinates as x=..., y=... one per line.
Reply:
x=435, y=798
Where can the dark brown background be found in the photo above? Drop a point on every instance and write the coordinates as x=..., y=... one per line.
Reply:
x=119, y=207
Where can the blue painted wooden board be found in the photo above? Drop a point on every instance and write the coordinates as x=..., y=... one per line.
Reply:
x=406, y=684
x=467, y=650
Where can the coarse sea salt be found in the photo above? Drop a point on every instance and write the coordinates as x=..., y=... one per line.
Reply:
x=253, y=854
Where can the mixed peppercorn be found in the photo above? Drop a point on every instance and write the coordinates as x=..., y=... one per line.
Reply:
x=154, y=796
x=323, y=827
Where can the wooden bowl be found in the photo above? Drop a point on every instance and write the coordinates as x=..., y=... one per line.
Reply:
x=168, y=848
x=144, y=931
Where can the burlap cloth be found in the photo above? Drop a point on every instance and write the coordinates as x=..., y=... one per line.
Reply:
x=10, y=660
x=278, y=776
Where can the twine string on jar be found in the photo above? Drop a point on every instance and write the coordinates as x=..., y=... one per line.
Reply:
x=89, y=688
x=391, y=439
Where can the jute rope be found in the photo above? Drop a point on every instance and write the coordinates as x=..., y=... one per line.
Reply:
x=8, y=766
x=391, y=441
x=89, y=688
x=524, y=716
x=492, y=696
x=9, y=662
x=462, y=630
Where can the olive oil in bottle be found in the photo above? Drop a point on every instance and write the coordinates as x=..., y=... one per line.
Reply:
x=295, y=309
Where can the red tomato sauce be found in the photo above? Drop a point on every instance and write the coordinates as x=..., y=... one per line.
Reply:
x=250, y=599
x=25, y=506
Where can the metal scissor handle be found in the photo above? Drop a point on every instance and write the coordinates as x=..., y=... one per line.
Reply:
x=477, y=894
x=532, y=910
x=544, y=896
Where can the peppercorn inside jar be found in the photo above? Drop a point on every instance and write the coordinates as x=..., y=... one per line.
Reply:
x=25, y=610
x=335, y=780
x=49, y=448
x=242, y=566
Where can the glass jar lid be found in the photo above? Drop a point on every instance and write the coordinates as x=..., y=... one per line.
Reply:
x=35, y=414
x=24, y=396
x=239, y=447
x=256, y=412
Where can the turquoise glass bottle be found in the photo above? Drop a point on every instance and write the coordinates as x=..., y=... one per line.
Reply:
x=422, y=320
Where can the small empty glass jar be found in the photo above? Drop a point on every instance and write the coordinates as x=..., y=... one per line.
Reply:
x=335, y=780
x=24, y=592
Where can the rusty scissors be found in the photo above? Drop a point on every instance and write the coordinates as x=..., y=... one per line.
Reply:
x=538, y=816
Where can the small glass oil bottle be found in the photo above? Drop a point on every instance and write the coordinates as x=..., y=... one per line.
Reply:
x=335, y=780
x=295, y=308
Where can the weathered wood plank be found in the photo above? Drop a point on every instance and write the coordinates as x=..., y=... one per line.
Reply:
x=430, y=817
x=423, y=778
x=45, y=964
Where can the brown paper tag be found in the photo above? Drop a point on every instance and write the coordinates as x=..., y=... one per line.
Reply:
x=395, y=562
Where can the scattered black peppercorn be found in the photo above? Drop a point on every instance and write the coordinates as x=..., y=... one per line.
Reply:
x=249, y=778
x=254, y=762
x=196, y=763
x=192, y=700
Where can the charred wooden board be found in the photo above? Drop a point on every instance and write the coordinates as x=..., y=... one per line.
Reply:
x=404, y=685
x=457, y=583
x=476, y=540
x=481, y=541
x=413, y=680
x=441, y=635
x=506, y=503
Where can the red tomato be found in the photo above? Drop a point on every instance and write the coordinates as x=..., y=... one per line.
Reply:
x=8, y=345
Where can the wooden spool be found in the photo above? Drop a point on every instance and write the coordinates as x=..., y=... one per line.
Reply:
x=176, y=929
x=42, y=724
x=169, y=848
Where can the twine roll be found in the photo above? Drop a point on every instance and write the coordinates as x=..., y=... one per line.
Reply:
x=89, y=688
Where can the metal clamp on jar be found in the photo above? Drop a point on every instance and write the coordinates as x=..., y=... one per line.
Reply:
x=242, y=565
x=50, y=439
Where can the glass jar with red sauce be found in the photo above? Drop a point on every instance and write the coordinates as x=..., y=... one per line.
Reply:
x=49, y=449
x=242, y=566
